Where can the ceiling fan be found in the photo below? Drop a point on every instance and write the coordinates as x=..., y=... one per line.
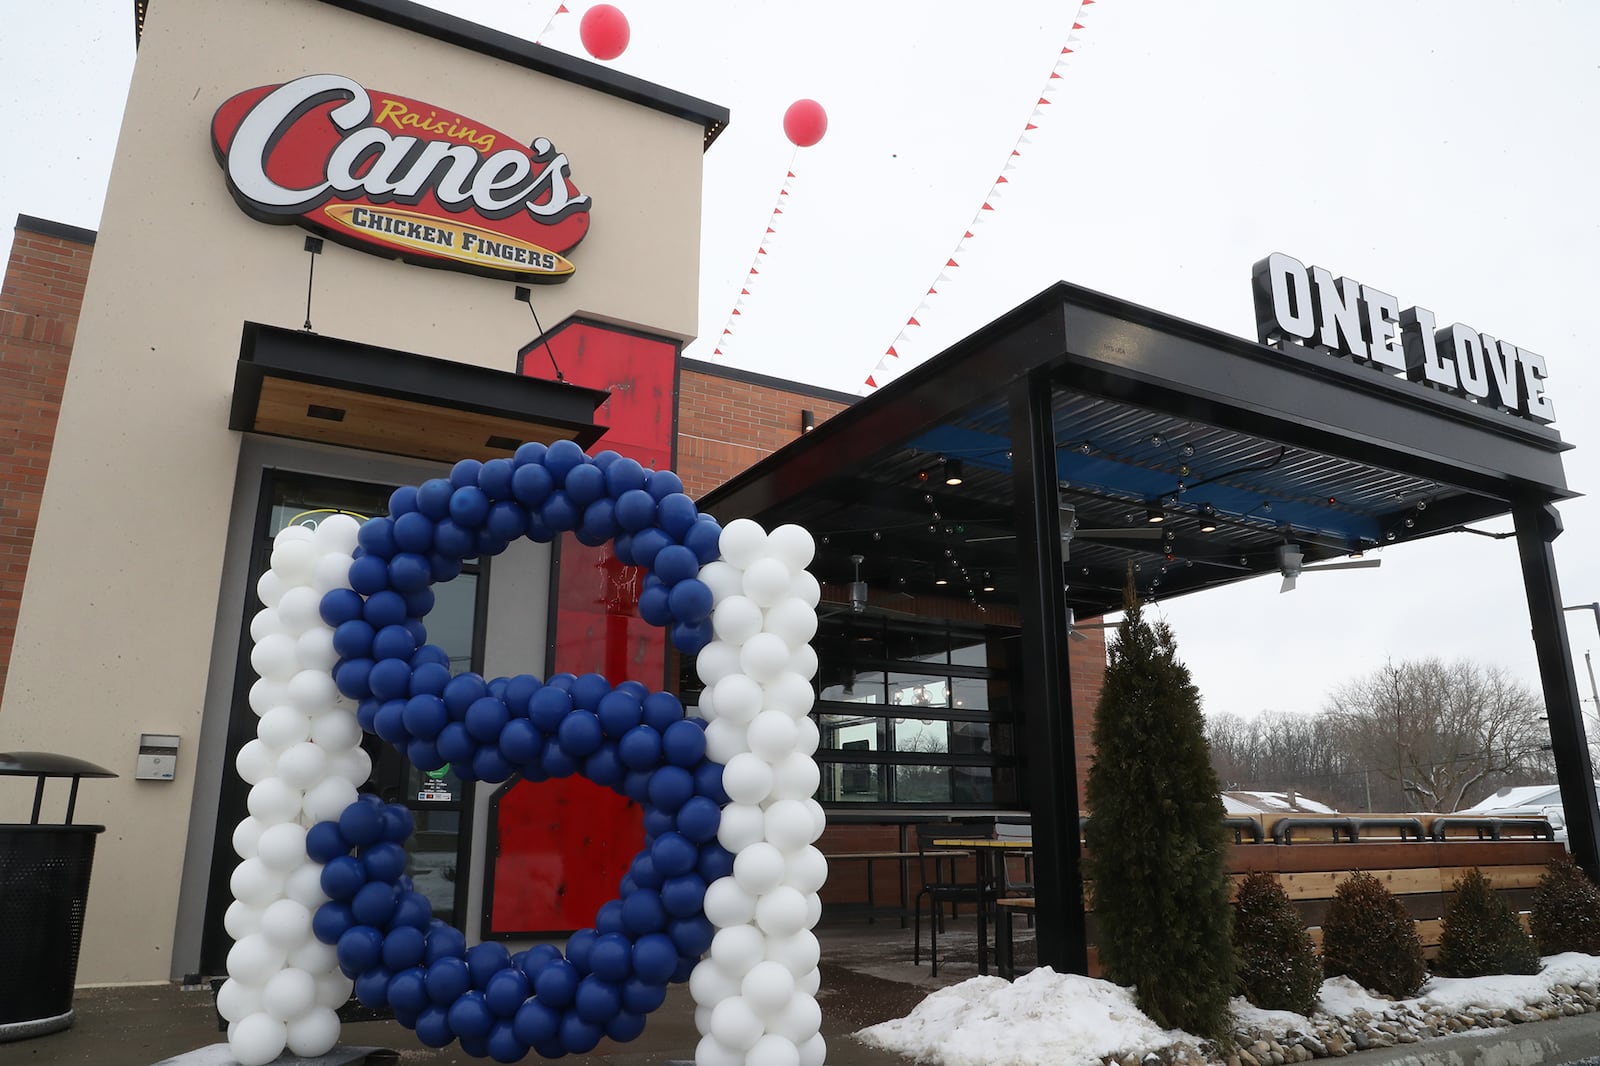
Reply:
x=1070, y=529
x=1291, y=565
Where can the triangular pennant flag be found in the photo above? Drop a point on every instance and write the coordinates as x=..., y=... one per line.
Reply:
x=1002, y=180
x=870, y=383
x=561, y=9
x=967, y=237
x=931, y=292
x=761, y=251
x=1029, y=126
x=791, y=173
x=776, y=211
x=1077, y=25
x=783, y=192
x=1042, y=101
x=753, y=270
x=769, y=230
x=1066, y=51
x=912, y=321
x=923, y=306
x=892, y=352
x=987, y=207
x=714, y=351
x=943, y=277
x=742, y=292
x=1014, y=154
x=725, y=332
x=951, y=263
x=737, y=312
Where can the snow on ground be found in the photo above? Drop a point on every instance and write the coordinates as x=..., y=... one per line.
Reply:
x=1067, y=1020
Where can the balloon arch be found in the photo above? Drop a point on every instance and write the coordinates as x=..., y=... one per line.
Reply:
x=724, y=893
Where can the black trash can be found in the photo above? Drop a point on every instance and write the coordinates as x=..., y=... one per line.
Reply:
x=44, y=889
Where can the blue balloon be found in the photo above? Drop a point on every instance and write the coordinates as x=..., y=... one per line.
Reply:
x=507, y=521
x=465, y=473
x=663, y=483
x=455, y=745
x=485, y=960
x=655, y=607
x=385, y=607
x=635, y=510
x=505, y=992
x=579, y=945
x=674, y=854
x=624, y=475
x=644, y=872
x=661, y=709
x=462, y=691
x=604, y=768
x=402, y=501
x=622, y=548
x=536, y=1022
x=608, y=919
x=369, y=574
x=408, y=990
x=708, y=782
x=556, y=984
x=563, y=457
x=535, y=958
x=340, y=606
x=331, y=921
x=557, y=762
x=657, y=822
x=705, y=540
x=376, y=536
x=538, y=532
x=409, y=572
x=636, y=785
x=448, y=980
x=397, y=823
x=384, y=861
x=372, y=988
x=504, y=1045
x=432, y=654
x=374, y=904
x=520, y=742
x=367, y=709
x=488, y=765
x=684, y=744
x=580, y=734
x=675, y=563
x=578, y=1036
x=494, y=478
x=654, y=958
x=425, y=716
x=684, y=895
x=691, y=935
x=690, y=638
x=389, y=722
x=690, y=601
x=433, y=498
x=433, y=1028
x=390, y=642
x=418, y=603
x=444, y=567
x=424, y=755
x=485, y=718
x=619, y=711
x=469, y=1015
x=519, y=690
x=588, y=691
x=599, y=523
x=360, y=948
x=454, y=541
x=604, y=458
x=531, y=452
x=532, y=485
x=640, y=748
x=559, y=513
x=676, y=512
x=611, y=958
x=699, y=818
x=445, y=942
x=597, y=1000
x=624, y=1026
x=324, y=844
x=402, y=949
x=343, y=877
x=647, y=543
x=469, y=507
x=585, y=484
x=413, y=911
x=548, y=708
x=413, y=533
x=476, y=1046
x=642, y=912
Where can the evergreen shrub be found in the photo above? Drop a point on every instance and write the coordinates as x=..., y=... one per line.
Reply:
x=1368, y=936
x=1278, y=964
x=1482, y=934
x=1566, y=910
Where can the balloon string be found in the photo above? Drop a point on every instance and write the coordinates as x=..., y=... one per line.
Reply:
x=719, y=349
x=891, y=356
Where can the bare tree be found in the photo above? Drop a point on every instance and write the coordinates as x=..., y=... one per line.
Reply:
x=1442, y=731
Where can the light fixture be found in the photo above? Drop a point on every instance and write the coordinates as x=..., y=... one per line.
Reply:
x=808, y=421
x=940, y=581
x=952, y=472
x=988, y=582
x=1208, y=525
x=1154, y=516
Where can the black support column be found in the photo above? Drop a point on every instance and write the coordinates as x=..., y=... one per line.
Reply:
x=1049, y=765
x=1538, y=525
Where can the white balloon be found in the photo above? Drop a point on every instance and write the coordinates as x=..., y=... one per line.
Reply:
x=266, y=694
x=237, y=1000
x=735, y=1023
x=807, y=737
x=337, y=533
x=712, y=1052
x=702, y=1020
x=814, y=1052
x=738, y=698
x=258, y=1039
x=723, y=579
x=269, y=588
x=795, y=776
x=727, y=904
x=798, y=953
x=736, y=619
x=289, y=534
x=772, y=735
x=253, y=883
x=314, y=1033
x=247, y=838
x=803, y=661
x=312, y=691
x=789, y=693
x=716, y=661
x=253, y=960
x=335, y=730
x=737, y=948
x=710, y=984
x=304, y=886
x=764, y=657
x=302, y=766
x=282, y=727
x=300, y=607
x=282, y=847
x=792, y=619
x=809, y=983
x=331, y=571
x=241, y=919
x=805, y=869
x=746, y=778
x=289, y=994
x=813, y=910
x=292, y=561
x=819, y=819
x=287, y=925
x=773, y=1050
x=705, y=706
x=742, y=543
x=725, y=739
x=274, y=657
x=759, y=868
x=315, y=957
x=806, y=588
x=781, y=912
x=788, y=824
x=274, y=800
x=266, y=623
x=766, y=581
x=768, y=987
x=793, y=544
x=742, y=825
x=352, y=765
x=315, y=649
x=333, y=989
x=326, y=801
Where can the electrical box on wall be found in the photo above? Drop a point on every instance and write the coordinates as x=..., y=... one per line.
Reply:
x=158, y=757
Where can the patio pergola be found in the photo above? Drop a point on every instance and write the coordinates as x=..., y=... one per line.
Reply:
x=1030, y=468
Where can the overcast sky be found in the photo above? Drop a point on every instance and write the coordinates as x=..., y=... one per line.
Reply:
x=1443, y=152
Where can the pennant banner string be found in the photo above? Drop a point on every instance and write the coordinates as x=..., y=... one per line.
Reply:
x=561, y=9
x=888, y=365
x=746, y=283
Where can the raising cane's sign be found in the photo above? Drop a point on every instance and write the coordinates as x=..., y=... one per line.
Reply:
x=398, y=177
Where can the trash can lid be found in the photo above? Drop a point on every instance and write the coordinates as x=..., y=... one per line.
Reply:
x=47, y=764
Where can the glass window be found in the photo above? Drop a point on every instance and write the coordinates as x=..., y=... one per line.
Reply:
x=852, y=783
x=918, y=645
x=849, y=732
x=919, y=690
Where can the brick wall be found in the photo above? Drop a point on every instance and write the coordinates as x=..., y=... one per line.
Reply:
x=727, y=424
x=39, y=304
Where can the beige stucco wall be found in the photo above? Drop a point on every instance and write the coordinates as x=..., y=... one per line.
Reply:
x=118, y=615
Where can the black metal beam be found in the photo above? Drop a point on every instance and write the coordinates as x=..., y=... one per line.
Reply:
x=1538, y=525
x=1049, y=767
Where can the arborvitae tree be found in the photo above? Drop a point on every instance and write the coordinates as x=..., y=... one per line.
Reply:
x=1368, y=936
x=1278, y=964
x=1481, y=934
x=1156, y=842
x=1565, y=915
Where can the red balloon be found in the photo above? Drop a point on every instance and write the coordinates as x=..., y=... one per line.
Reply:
x=604, y=31
x=805, y=122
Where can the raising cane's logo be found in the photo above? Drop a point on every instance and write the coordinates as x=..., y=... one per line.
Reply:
x=395, y=176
